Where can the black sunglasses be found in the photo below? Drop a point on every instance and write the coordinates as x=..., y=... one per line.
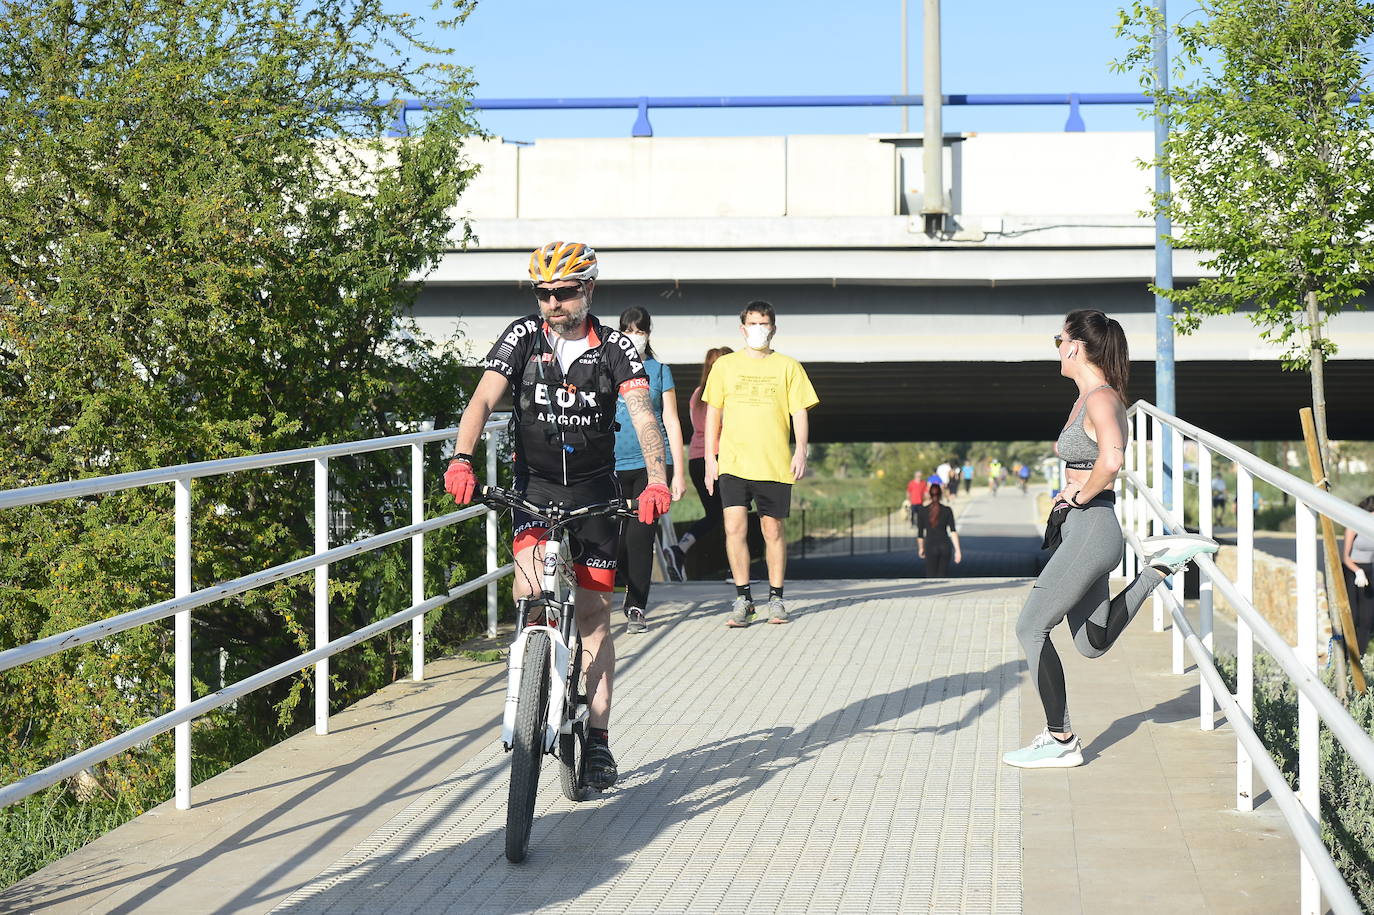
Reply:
x=561, y=293
x=1058, y=340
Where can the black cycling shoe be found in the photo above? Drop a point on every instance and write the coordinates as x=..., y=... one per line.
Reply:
x=601, y=770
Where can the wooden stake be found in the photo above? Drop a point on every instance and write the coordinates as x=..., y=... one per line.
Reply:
x=1335, y=571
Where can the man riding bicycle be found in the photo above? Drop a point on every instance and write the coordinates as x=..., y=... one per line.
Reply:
x=567, y=369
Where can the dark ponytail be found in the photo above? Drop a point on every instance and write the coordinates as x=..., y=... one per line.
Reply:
x=1105, y=344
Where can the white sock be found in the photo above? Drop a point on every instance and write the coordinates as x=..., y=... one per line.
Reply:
x=685, y=542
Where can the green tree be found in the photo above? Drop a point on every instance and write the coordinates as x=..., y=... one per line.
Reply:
x=1272, y=160
x=205, y=244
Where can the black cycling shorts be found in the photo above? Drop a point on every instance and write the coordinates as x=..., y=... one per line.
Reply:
x=592, y=543
x=773, y=499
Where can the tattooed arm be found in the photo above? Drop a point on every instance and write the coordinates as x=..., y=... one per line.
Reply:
x=646, y=427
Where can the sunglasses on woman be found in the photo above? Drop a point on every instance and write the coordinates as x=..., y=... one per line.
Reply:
x=561, y=293
x=1058, y=340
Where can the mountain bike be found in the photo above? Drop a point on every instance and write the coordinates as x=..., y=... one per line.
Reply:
x=546, y=703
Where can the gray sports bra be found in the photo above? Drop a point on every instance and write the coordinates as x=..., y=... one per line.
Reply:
x=1074, y=447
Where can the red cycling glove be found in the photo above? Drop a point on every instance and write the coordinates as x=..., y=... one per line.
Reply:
x=460, y=481
x=654, y=502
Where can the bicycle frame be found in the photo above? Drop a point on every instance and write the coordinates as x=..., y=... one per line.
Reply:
x=560, y=622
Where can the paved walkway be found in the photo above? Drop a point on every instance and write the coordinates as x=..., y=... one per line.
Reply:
x=848, y=762
x=1000, y=536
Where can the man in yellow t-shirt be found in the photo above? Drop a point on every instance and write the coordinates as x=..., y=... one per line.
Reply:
x=763, y=394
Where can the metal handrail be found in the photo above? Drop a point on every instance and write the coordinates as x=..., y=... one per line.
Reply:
x=51, y=492
x=100, y=629
x=1343, y=727
x=1335, y=508
x=1145, y=481
x=643, y=103
x=1305, y=831
x=185, y=600
x=70, y=766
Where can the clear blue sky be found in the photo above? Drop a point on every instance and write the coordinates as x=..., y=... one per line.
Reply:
x=538, y=48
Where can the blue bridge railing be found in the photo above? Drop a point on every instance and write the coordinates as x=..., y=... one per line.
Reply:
x=642, y=104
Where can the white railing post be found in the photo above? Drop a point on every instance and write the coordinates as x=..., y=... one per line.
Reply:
x=1125, y=496
x=1308, y=773
x=491, y=535
x=182, y=643
x=1175, y=584
x=1245, y=639
x=1141, y=509
x=417, y=560
x=1157, y=523
x=1207, y=705
x=321, y=594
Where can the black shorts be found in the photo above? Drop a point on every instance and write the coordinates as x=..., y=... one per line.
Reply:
x=772, y=498
x=593, y=544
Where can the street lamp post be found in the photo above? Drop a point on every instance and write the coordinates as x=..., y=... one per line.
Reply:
x=1164, y=259
x=905, y=67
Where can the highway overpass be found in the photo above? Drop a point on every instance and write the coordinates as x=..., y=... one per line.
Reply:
x=907, y=336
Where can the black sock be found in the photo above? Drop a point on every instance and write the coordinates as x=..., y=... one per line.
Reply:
x=744, y=591
x=599, y=735
x=775, y=591
x=1063, y=740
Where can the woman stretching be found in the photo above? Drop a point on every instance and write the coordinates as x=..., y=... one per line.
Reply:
x=934, y=533
x=1092, y=352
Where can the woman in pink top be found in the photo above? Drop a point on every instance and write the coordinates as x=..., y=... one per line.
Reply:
x=696, y=464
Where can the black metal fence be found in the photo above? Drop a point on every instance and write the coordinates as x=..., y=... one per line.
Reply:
x=814, y=532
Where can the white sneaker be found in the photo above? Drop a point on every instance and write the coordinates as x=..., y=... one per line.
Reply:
x=1177, y=550
x=1045, y=752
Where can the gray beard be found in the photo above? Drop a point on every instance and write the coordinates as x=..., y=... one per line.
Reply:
x=572, y=322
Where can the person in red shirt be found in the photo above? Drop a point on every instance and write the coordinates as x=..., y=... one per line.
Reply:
x=916, y=494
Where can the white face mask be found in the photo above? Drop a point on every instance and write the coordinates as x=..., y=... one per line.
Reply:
x=641, y=342
x=756, y=335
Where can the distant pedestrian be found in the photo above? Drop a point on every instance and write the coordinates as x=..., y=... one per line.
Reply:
x=637, y=545
x=995, y=474
x=936, y=537
x=954, y=478
x=762, y=395
x=943, y=472
x=1218, y=497
x=1358, y=559
x=1023, y=474
x=696, y=469
x=967, y=473
x=916, y=494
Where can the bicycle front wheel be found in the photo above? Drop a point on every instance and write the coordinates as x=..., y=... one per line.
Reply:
x=527, y=745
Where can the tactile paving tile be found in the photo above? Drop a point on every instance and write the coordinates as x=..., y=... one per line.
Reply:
x=847, y=762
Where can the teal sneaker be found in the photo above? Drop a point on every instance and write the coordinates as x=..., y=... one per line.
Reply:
x=1174, y=551
x=1045, y=752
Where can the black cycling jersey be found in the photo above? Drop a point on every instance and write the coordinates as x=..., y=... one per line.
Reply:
x=564, y=426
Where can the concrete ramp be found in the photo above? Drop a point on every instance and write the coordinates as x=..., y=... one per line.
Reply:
x=847, y=762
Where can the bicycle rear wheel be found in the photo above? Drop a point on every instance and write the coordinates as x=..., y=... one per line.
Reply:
x=572, y=747
x=527, y=745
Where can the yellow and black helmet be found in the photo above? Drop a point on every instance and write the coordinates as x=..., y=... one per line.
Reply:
x=562, y=260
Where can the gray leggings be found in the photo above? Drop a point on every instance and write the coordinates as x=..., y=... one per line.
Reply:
x=1074, y=585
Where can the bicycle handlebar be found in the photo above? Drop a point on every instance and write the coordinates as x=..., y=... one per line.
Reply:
x=496, y=497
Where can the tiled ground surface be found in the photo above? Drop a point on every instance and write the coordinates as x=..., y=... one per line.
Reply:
x=845, y=762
